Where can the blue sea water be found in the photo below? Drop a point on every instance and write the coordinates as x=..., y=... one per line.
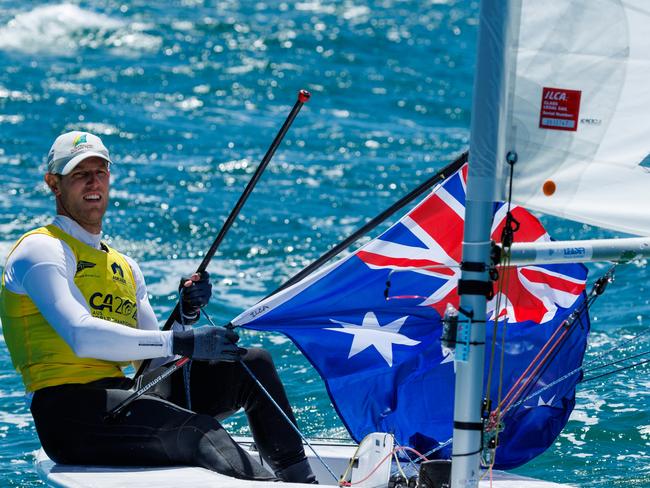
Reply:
x=188, y=94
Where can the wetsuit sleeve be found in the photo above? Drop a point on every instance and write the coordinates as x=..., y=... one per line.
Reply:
x=44, y=268
x=146, y=316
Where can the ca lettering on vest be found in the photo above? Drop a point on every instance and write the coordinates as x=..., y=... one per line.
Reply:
x=111, y=307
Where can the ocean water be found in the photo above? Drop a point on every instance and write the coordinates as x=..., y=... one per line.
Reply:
x=188, y=95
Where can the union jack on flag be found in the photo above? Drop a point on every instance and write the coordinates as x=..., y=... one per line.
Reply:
x=380, y=356
x=429, y=240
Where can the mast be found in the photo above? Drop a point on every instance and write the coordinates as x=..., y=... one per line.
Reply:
x=487, y=149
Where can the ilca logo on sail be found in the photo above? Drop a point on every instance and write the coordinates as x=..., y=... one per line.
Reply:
x=559, y=109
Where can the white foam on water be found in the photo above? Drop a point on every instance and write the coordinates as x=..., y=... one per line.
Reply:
x=582, y=455
x=572, y=439
x=622, y=457
x=278, y=340
x=51, y=28
x=182, y=25
x=102, y=129
x=141, y=198
x=20, y=420
x=11, y=119
x=587, y=407
x=163, y=276
x=644, y=431
x=15, y=95
x=69, y=87
x=63, y=28
x=12, y=394
x=625, y=410
x=189, y=103
x=132, y=42
x=316, y=7
x=356, y=12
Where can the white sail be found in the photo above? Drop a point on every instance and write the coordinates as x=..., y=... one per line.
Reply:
x=580, y=111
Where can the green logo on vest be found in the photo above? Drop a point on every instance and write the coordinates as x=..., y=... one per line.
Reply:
x=81, y=265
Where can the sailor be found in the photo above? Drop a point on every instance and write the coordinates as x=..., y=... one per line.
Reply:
x=75, y=311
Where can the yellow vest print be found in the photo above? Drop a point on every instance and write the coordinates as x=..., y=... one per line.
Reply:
x=37, y=351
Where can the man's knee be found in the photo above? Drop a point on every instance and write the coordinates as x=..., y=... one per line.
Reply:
x=258, y=359
x=186, y=438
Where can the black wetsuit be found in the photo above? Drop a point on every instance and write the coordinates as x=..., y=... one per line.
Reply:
x=157, y=430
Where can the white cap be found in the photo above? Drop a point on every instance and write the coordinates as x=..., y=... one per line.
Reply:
x=71, y=148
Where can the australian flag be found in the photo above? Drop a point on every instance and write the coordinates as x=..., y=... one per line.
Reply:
x=371, y=326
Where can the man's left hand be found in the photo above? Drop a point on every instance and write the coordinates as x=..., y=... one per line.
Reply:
x=195, y=293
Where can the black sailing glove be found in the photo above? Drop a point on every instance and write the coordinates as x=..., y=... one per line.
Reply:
x=207, y=343
x=195, y=293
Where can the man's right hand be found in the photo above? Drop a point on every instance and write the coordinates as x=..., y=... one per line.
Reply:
x=207, y=343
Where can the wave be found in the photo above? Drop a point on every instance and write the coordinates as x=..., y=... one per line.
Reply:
x=63, y=29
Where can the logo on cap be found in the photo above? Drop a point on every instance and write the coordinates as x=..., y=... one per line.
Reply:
x=80, y=139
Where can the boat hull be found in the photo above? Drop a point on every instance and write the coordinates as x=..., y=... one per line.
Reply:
x=336, y=455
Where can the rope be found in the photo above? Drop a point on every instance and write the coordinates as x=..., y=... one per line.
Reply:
x=279, y=409
x=597, y=358
x=421, y=457
x=437, y=448
x=399, y=465
x=597, y=289
x=293, y=426
x=507, y=236
x=552, y=344
x=533, y=376
x=617, y=370
x=614, y=348
x=410, y=461
x=544, y=362
x=383, y=460
x=547, y=387
x=615, y=362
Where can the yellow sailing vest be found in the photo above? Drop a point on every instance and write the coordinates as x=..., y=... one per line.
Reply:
x=38, y=353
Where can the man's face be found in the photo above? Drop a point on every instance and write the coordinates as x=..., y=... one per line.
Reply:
x=82, y=194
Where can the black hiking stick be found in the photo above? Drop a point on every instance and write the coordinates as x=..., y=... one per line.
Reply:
x=303, y=97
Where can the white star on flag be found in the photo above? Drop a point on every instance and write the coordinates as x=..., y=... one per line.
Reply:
x=448, y=357
x=370, y=333
x=541, y=402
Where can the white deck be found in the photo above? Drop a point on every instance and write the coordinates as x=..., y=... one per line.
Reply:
x=336, y=455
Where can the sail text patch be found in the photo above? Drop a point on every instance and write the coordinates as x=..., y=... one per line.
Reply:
x=560, y=109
